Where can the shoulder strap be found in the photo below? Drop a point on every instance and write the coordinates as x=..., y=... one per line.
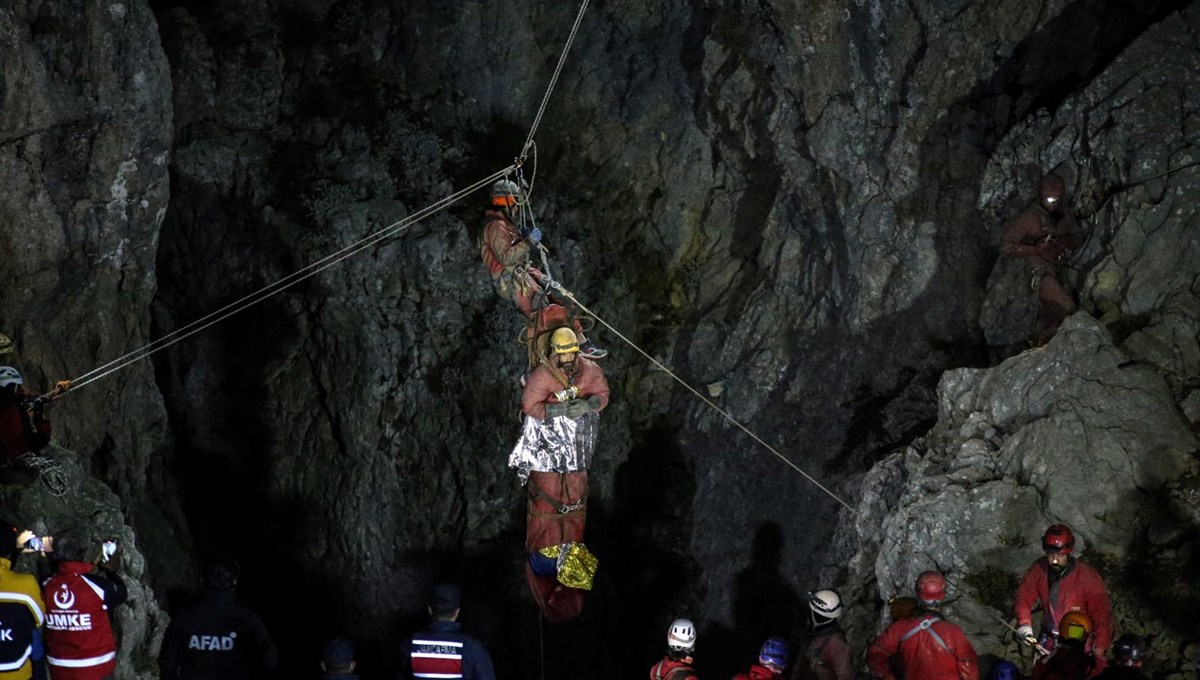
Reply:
x=927, y=625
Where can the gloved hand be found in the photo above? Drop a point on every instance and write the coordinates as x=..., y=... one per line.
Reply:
x=1024, y=632
x=577, y=407
x=593, y=403
x=556, y=410
x=535, y=236
x=62, y=386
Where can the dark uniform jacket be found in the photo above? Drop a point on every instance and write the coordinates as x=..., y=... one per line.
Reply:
x=21, y=614
x=217, y=639
x=443, y=651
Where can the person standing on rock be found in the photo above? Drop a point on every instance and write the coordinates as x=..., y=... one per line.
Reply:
x=1061, y=584
x=79, y=600
x=681, y=645
x=443, y=650
x=217, y=638
x=22, y=614
x=24, y=427
x=924, y=645
x=827, y=656
x=562, y=401
x=1042, y=235
x=505, y=252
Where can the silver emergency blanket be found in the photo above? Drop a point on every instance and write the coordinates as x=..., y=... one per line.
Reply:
x=557, y=444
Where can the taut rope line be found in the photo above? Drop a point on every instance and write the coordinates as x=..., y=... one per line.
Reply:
x=557, y=286
x=288, y=281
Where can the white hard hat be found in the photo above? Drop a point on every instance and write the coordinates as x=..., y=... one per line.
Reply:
x=10, y=376
x=682, y=635
x=826, y=603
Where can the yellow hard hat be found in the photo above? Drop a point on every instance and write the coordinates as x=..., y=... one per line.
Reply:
x=1075, y=626
x=563, y=341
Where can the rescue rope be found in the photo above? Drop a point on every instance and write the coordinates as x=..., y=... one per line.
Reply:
x=566, y=293
x=553, y=80
x=324, y=263
x=286, y=282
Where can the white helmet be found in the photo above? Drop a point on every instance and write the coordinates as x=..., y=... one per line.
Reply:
x=826, y=603
x=682, y=636
x=10, y=376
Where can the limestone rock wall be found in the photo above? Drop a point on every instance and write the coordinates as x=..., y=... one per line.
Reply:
x=1095, y=430
x=85, y=145
x=794, y=204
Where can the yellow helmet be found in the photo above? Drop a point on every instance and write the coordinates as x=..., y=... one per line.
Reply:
x=563, y=341
x=1075, y=626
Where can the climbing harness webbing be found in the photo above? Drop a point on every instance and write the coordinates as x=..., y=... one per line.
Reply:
x=927, y=626
x=560, y=508
x=570, y=296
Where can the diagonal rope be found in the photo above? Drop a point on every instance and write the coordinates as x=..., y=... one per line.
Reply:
x=553, y=80
x=286, y=282
x=557, y=286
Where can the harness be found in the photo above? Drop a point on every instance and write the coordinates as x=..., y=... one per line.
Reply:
x=673, y=673
x=560, y=509
x=927, y=625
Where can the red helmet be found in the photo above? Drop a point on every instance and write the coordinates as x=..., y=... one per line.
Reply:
x=1058, y=539
x=931, y=587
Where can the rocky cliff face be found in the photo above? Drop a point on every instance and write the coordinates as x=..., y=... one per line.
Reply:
x=795, y=204
x=85, y=143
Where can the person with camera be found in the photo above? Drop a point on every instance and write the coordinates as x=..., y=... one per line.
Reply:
x=217, y=638
x=79, y=600
x=22, y=614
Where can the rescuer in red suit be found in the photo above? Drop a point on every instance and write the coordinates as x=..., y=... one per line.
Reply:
x=681, y=644
x=505, y=252
x=1062, y=584
x=1042, y=235
x=925, y=646
x=23, y=424
x=565, y=386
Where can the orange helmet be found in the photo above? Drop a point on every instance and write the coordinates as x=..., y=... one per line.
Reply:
x=1075, y=626
x=506, y=193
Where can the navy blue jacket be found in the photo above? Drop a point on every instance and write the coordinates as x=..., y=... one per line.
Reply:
x=217, y=639
x=476, y=664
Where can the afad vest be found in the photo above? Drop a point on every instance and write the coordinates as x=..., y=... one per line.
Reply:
x=437, y=658
x=79, y=639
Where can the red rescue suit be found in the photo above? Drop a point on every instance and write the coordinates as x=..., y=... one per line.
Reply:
x=557, y=509
x=828, y=656
x=1067, y=662
x=1080, y=589
x=669, y=669
x=79, y=638
x=928, y=648
x=505, y=253
x=542, y=384
x=21, y=432
x=758, y=672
